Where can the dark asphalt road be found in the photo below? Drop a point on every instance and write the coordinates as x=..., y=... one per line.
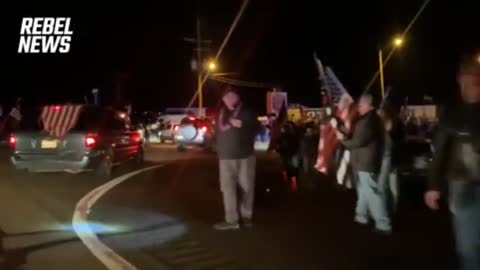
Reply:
x=162, y=219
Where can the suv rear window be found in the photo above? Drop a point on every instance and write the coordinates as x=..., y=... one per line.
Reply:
x=91, y=118
x=95, y=118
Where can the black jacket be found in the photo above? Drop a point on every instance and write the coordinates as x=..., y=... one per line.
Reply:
x=457, y=147
x=366, y=143
x=237, y=143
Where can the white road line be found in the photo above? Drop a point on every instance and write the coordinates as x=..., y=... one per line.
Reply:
x=107, y=256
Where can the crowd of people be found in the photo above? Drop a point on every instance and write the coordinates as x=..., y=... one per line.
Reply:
x=376, y=146
x=420, y=126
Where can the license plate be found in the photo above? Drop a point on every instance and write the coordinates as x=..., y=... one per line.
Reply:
x=49, y=144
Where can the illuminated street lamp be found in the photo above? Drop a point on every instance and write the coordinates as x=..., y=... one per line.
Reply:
x=398, y=42
x=478, y=58
x=212, y=66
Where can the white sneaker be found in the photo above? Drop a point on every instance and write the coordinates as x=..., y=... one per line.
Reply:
x=226, y=226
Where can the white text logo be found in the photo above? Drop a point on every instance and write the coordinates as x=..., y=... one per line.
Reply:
x=45, y=35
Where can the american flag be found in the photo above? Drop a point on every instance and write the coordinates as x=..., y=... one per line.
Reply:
x=58, y=120
x=14, y=117
x=15, y=113
x=344, y=111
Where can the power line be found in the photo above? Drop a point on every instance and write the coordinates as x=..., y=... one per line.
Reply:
x=390, y=54
x=242, y=83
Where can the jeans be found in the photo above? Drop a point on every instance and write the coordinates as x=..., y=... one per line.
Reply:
x=234, y=173
x=388, y=181
x=464, y=201
x=371, y=202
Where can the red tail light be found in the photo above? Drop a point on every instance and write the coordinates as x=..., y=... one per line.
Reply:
x=136, y=137
x=204, y=129
x=13, y=141
x=91, y=140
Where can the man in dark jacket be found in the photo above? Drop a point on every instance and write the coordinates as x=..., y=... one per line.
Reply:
x=456, y=165
x=237, y=128
x=366, y=145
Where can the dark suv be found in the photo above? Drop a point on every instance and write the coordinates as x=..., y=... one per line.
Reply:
x=99, y=140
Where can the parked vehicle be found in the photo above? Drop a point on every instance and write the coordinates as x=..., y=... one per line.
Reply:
x=166, y=132
x=98, y=141
x=194, y=132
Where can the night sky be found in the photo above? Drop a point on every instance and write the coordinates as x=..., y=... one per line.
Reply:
x=135, y=52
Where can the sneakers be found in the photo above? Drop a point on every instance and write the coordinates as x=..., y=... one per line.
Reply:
x=361, y=220
x=226, y=226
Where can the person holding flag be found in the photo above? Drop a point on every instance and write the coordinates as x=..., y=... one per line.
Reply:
x=366, y=145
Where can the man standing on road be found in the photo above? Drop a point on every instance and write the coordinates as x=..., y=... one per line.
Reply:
x=366, y=146
x=237, y=128
x=456, y=165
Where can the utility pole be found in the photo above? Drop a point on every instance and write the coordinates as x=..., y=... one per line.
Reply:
x=200, y=45
x=382, y=82
x=200, y=68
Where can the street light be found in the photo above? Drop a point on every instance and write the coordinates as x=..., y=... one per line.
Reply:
x=212, y=66
x=209, y=66
x=397, y=43
x=478, y=58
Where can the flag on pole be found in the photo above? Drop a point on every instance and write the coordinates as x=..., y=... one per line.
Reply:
x=16, y=114
x=276, y=101
x=13, y=119
x=58, y=120
x=326, y=96
x=329, y=145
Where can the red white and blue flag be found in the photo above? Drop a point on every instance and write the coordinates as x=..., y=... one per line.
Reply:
x=58, y=120
x=344, y=110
